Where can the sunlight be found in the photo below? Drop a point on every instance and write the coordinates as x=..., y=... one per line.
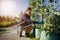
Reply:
x=8, y=7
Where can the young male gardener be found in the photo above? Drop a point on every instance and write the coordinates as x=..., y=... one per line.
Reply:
x=26, y=23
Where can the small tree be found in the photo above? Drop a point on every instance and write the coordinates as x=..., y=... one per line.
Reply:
x=20, y=15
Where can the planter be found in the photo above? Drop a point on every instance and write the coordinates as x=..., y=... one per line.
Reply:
x=37, y=33
x=44, y=36
x=49, y=36
x=55, y=36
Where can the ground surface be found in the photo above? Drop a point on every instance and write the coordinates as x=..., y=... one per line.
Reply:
x=11, y=34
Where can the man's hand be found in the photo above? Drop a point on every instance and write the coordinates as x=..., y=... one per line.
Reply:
x=41, y=22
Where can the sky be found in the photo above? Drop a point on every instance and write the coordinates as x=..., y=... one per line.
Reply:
x=12, y=7
x=57, y=4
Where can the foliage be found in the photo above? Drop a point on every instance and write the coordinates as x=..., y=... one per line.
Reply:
x=55, y=21
x=39, y=11
x=20, y=15
x=46, y=13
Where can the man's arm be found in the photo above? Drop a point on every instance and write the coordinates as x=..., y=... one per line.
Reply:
x=28, y=20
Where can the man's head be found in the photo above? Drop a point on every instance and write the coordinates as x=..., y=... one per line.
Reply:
x=28, y=10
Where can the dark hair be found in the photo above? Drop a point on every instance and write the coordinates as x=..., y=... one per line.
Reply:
x=29, y=8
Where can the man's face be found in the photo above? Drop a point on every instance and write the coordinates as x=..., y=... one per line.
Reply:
x=29, y=12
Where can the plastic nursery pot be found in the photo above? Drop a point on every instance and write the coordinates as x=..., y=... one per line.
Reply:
x=44, y=36
x=49, y=36
x=37, y=33
x=54, y=36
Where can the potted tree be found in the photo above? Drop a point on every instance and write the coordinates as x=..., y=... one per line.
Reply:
x=47, y=31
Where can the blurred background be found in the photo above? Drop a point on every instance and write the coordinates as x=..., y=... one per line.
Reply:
x=11, y=10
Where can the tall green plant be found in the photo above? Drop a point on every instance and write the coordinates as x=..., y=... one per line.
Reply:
x=46, y=12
